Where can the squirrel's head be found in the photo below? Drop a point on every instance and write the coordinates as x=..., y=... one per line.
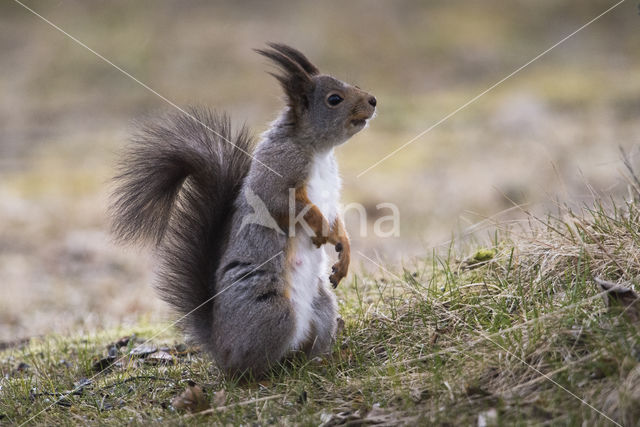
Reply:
x=322, y=110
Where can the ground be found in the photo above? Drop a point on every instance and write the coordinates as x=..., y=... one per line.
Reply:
x=519, y=332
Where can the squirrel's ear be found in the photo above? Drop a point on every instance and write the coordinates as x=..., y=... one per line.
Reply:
x=297, y=56
x=294, y=78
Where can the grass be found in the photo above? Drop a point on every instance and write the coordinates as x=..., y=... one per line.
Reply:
x=515, y=333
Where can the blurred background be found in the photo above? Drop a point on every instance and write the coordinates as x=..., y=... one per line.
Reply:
x=550, y=133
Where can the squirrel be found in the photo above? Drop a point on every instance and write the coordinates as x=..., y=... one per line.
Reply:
x=250, y=294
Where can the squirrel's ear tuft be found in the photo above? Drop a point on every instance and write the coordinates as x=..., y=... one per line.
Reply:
x=297, y=56
x=295, y=74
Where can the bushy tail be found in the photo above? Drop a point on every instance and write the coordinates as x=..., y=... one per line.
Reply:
x=177, y=184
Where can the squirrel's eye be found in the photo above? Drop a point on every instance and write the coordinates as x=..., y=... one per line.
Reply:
x=334, y=99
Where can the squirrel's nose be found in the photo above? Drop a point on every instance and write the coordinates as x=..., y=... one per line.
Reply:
x=372, y=101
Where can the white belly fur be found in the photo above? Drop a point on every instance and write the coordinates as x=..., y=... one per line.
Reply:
x=308, y=263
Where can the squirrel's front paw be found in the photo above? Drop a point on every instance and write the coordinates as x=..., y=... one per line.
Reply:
x=339, y=270
x=319, y=240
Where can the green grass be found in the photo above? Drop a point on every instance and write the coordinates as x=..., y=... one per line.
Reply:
x=516, y=333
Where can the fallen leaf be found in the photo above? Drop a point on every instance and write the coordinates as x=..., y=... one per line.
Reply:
x=192, y=399
x=143, y=350
x=160, y=358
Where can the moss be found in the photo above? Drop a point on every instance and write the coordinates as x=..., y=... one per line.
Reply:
x=484, y=255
